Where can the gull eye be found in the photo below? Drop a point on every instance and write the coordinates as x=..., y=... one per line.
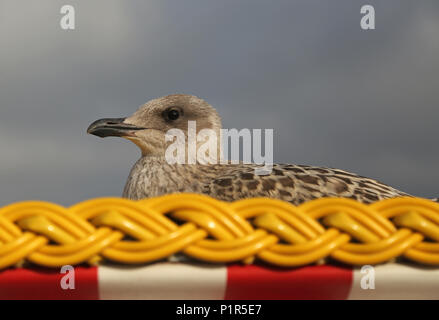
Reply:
x=172, y=114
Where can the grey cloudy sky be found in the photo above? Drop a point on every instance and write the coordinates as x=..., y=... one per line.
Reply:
x=337, y=96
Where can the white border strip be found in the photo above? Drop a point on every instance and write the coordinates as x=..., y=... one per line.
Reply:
x=397, y=281
x=163, y=281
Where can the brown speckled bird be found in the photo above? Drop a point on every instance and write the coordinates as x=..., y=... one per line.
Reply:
x=152, y=175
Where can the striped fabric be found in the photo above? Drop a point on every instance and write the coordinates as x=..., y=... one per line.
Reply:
x=200, y=281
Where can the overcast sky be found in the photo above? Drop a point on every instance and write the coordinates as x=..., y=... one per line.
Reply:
x=338, y=96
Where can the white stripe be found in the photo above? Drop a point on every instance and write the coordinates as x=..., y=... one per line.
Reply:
x=397, y=281
x=162, y=281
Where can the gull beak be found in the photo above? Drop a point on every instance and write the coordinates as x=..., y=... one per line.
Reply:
x=112, y=127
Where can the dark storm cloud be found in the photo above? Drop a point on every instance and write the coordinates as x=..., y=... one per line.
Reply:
x=335, y=95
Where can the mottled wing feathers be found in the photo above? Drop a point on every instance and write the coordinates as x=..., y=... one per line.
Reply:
x=295, y=183
x=151, y=177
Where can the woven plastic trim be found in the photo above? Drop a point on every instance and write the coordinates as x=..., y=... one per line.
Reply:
x=203, y=228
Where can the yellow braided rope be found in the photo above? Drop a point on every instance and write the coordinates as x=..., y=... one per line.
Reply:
x=203, y=228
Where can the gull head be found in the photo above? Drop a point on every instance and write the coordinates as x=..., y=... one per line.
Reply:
x=149, y=125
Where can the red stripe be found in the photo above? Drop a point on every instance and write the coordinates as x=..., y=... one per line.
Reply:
x=40, y=283
x=243, y=282
x=268, y=283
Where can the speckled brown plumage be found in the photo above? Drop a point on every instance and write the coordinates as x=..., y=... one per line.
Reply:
x=152, y=175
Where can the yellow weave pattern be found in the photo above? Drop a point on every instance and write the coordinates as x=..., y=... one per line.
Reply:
x=206, y=229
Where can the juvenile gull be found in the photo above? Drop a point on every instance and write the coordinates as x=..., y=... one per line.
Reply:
x=152, y=175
